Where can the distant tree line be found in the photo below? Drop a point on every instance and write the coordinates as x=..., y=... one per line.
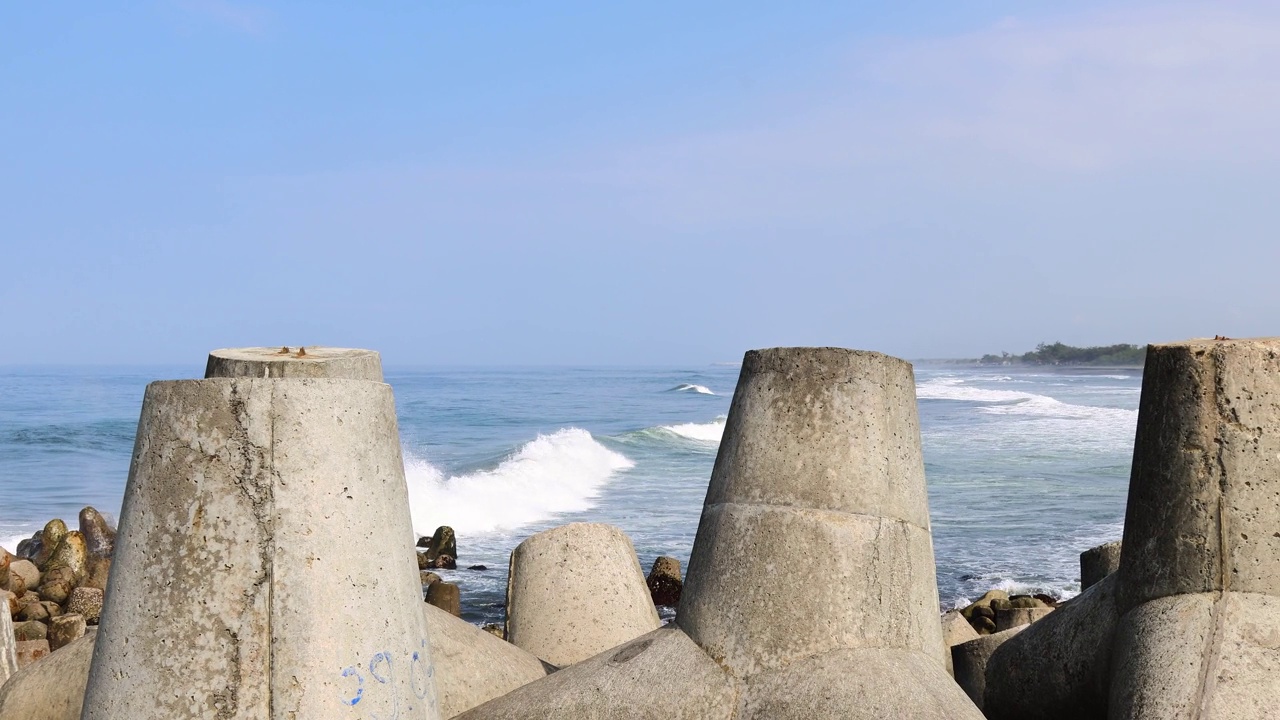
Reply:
x=1059, y=354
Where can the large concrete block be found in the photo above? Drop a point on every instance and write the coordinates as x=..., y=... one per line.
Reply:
x=662, y=675
x=259, y=518
x=824, y=429
x=1209, y=656
x=575, y=591
x=820, y=460
x=810, y=591
x=1058, y=668
x=8, y=644
x=51, y=689
x=1202, y=511
x=857, y=684
x=1098, y=562
x=970, y=659
x=295, y=362
x=472, y=666
x=864, y=582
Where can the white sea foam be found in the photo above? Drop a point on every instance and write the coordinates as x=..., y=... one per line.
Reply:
x=709, y=432
x=11, y=544
x=687, y=387
x=557, y=473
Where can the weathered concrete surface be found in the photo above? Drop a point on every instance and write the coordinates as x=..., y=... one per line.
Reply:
x=8, y=644
x=1012, y=617
x=819, y=474
x=1060, y=667
x=51, y=688
x=260, y=516
x=662, y=675
x=1202, y=512
x=1098, y=562
x=1209, y=656
x=318, y=362
x=820, y=460
x=857, y=683
x=970, y=661
x=575, y=591
x=473, y=666
x=955, y=630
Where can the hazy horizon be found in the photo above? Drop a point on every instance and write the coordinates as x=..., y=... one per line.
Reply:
x=471, y=185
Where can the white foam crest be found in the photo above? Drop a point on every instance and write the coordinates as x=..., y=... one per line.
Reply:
x=1014, y=402
x=552, y=474
x=11, y=544
x=688, y=387
x=709, y=432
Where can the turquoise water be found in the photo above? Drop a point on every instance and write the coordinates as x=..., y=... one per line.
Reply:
x=1025, y=468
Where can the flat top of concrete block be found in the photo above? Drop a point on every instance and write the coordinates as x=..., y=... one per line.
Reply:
x=809, y=358
x=295, y=361
x=1203, y=343
x=294, y=353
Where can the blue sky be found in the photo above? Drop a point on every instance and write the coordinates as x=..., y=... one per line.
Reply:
x=604, y=183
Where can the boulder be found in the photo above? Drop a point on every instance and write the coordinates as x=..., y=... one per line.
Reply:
x=1098, y=562
x=87, y=602
x=5, y=559
x=98, y=573
x=29, y=651
x=65, y=629
x=575, y=591
x=71, y=555
x=57, y=591
x=444, y=561
x=30, y=630
x=445, y=596
x=442, y=542
x=970, y=662
x=473, y=666
x=1016, y=616
x=99, y=536
x=27, y=570
x=52, y=689
x=664, y=581
x=9, y=603
x=50, y=536
x=33, y=611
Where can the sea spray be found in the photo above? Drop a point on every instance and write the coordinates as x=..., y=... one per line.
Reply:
x=552, y=474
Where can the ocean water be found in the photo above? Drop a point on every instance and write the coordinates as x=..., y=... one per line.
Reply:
x=1026, y=468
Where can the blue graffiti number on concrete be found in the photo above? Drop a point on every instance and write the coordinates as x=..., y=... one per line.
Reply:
x=348, y=672
x=381, y=670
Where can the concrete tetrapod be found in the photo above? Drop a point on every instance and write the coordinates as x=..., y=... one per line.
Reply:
x=51, y=688
x=1199, y=578
x=8, y=644
x=1187, y=626
x=259, y=516
x=473, y=666
x=576, y=590
x=286, y=362
x=819, y=475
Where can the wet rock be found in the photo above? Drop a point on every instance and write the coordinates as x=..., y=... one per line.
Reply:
x=30, y=651
x=442, y=542
x=65, y=629
x=30, y=630
x=70, y=554
x=444, y=562
x=57, y=591
x=478, y=567
x=33, y=611
x=983, y=625
x=427, y=578
x=495, y=629
x=445, y=596
x=664, y=581
x=1025, y=601
x=87, y=602
x=99, y=536
x=1048, y=600
x=50, y=536
x=99, y=571
x=27, y=570
x=423, y=561
x=998, y=604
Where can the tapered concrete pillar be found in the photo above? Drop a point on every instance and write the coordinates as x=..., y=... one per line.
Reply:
x=8, y=645
x=575, y=591
x=811, y=588
x=262, y=520
x=1199, y=578
x=295, y=362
